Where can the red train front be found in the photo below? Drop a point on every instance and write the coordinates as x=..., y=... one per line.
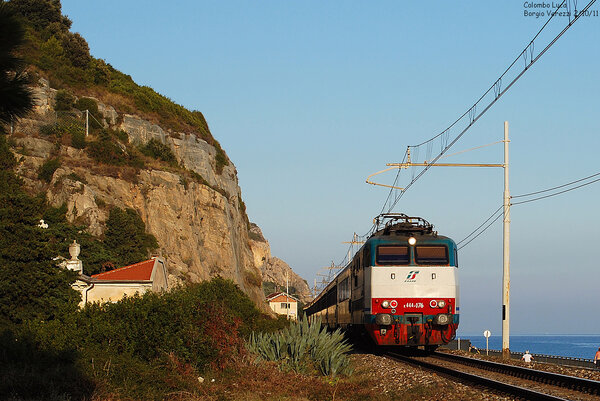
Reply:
x=401, y=287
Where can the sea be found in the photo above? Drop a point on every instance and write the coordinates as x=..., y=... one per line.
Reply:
x=574, y=346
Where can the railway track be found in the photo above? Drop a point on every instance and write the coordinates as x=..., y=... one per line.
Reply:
x=516, y=381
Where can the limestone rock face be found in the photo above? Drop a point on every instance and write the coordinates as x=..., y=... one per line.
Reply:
x=201, y=228
x=193, y=153
x=43, y=96
x=275, y=270
x=201, y=232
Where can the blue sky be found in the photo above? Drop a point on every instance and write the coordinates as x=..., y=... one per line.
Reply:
x=310, y=97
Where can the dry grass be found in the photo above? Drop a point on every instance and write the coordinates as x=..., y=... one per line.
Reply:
x=265, y=382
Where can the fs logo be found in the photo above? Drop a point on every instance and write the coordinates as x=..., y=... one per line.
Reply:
x=411, y=278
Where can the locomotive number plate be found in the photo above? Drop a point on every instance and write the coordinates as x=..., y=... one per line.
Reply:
x=414, y=305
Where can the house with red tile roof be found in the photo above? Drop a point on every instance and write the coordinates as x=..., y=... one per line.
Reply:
x=111, y=286
x=284, y=304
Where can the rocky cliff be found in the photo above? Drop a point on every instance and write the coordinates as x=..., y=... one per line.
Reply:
x=201, y=227
x=276, y=274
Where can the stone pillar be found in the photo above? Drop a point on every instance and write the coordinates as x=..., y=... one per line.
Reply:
x=74, y=263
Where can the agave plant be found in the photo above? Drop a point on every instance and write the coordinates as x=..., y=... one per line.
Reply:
x=303, y=343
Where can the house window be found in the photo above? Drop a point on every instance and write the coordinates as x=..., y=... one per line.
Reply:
x=285, y=305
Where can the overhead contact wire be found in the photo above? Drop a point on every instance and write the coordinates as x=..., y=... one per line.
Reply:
x=557, y=193
x=560, y=186
x=482, y=224
x=498, y=96
x=527, y=201
x=482, y=231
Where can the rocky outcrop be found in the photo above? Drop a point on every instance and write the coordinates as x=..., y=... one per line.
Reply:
x=201, y=232
x=44, y=97
x=275, y=270
x=192, y=152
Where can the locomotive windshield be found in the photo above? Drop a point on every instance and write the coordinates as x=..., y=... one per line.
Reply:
x=392, y=255
x=431, y=255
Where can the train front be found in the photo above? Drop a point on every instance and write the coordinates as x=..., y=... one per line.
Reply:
x=412, y=285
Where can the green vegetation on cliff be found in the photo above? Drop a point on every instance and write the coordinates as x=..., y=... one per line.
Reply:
x=64, y=58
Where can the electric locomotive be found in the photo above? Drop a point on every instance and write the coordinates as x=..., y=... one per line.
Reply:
x=400, y=288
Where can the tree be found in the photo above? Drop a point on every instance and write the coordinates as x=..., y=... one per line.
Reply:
x=32, y=287
x=42, y=13
x=126, y=237
x=77, y=50
x=16, y=99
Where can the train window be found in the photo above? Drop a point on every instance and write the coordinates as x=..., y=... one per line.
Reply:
x=344, y=290
x=455, y=257
x=392, y=255
x=431, y=255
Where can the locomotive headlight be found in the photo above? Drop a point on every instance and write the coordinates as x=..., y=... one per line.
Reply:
x=385, y=304
x=442, y=319
x=383, y=319
x=441, y=303
x=412, y=240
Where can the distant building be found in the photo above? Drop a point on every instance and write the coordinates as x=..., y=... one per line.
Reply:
x=284, y=304
x=111, y=286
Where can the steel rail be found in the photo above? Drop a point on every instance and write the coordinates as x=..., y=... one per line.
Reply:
x=516, y=391
x=572, y=382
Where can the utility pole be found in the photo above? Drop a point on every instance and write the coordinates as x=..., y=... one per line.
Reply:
x=287, y=295
x=87, y=122
x=506, y=256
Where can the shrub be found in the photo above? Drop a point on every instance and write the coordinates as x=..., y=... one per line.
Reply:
x=157, y=150
x=64, y=125
x=122, y=136
x=302, y=347
x=106, y=152
x=49, y=129
x=39, y=373
x=64, y=100
x=105, y=149
x=203, y=324
x=46, y=170
x=142, y=347
x=85, y=103
x=242, y=208
x=76, y=177
x=78, y=140
x=198, y=178
x=220, y=159
x=7, y=159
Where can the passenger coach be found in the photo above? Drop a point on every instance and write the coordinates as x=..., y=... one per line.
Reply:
x=401, y=287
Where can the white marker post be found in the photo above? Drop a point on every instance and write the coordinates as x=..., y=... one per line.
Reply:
x=487, y=335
